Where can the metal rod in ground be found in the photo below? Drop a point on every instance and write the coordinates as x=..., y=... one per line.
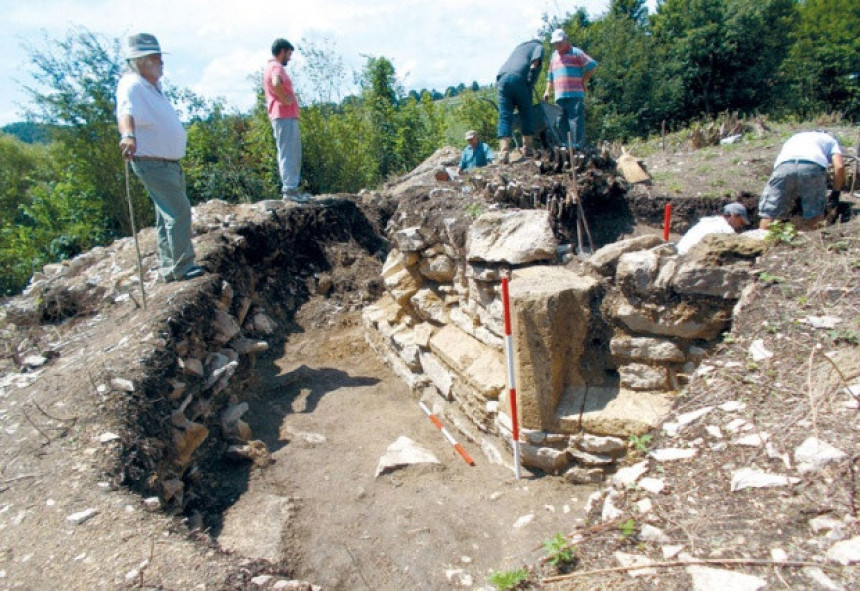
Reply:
x=581, y=222
x=447, y=435
x=134, y=233
x=512, y=384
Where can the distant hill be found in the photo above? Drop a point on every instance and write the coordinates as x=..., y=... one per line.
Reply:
x=30, y=133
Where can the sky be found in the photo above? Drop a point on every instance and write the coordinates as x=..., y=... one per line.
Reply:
x=217, y=48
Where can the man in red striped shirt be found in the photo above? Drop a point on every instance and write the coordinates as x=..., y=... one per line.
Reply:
x=570, y=69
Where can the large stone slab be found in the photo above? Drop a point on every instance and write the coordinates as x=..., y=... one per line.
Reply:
x=515, y=237
x=550, y=309
x=606, y=258
x=612, y=411
x=646, y=349
x=682, y=320
x=256, y=529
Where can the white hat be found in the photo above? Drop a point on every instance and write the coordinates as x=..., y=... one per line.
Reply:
x=557, y=36
x=471, y=133
x=142, y=45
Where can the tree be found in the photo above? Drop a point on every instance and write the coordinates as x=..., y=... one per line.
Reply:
x=80, y=73
x=821, y=70
x=625, y=98
x=380, y=99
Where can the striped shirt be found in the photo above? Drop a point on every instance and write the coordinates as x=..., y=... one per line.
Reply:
x=566, y=71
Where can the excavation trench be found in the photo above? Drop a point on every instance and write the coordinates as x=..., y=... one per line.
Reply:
x=326, y=407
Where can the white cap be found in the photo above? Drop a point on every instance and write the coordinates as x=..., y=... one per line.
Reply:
x=557, y=36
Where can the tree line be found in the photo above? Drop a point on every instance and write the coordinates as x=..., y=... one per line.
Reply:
x=689, y=61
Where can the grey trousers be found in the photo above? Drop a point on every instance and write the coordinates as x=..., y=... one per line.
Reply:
x=165, y=183
x=289, y=142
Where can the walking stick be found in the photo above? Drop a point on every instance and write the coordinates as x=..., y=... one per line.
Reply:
x=134, y=233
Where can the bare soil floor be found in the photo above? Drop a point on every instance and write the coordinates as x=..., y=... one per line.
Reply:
x=330, y=409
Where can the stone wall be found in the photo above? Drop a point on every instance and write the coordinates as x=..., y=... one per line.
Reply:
x=601, y=346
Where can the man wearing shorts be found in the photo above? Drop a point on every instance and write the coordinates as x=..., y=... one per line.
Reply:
x=800, y=172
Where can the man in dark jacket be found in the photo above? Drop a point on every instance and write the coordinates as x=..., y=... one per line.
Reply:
x=515, y=80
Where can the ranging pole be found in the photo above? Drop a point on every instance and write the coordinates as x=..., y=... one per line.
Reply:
x=447, y=435
x=509, y=350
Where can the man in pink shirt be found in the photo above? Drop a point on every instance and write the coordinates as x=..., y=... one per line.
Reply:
x=284, y=114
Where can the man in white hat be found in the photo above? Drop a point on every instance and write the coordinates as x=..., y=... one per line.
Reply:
x=476, y=154
x=153, y=138
x=733, y=219
x=569, y=71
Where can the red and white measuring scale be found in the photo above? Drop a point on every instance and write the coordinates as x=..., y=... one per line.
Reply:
x=512, y=384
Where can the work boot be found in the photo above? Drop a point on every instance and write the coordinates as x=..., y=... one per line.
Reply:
x=528, y=146
x=505, y=150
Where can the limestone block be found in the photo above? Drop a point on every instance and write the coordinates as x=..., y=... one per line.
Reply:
x=618, y=412
x=254, y=526
x=606, y=258
x=440, y=268
x=580, y=475
x=410, y=239
x=384, y=309
x=392, y=360
x=462, y=320
x=439, y=375
x=515, y=237
x=186, y=441
x=481, y=366
x=695, y=278
x=193, y=366
x=668, y=267
x=489, y=337
x=429, y=306
x=225, y=327
x=245, y=346
x=484, y=293
x=263, y=324
x=418, y=335
x=550, y=311
x=409, y=354
x=483, y=272
x=492, y=317
x=680, y=321
x=399, y=280
x=590, y=459
x=594, y=444
x=546, y=459
x=636, y=272
x=646, y=349
x=639, y=376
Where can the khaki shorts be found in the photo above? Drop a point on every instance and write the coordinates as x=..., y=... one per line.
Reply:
x=796, y=179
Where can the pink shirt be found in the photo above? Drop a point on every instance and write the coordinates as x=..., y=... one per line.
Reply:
x=277, y=109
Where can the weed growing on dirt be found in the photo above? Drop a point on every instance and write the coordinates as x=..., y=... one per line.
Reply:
x=781, y=232
x=844, y=336
x=474, y=210
x=627, y=528
x=641, y=443
x=558, y=550
x=508, y=579
x=766, y=277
